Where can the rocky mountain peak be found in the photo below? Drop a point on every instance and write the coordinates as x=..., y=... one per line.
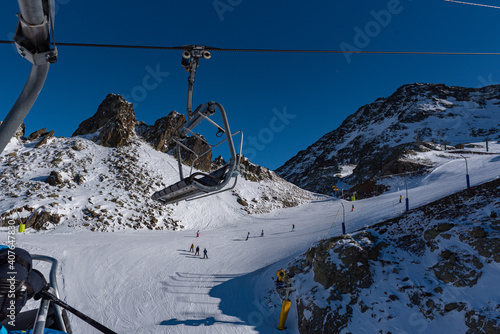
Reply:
x=114, y=120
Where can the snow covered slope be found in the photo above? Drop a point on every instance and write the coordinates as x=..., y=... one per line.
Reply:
x=380, y=132
x=432, y=270
x=146, y=281
x=77, y=183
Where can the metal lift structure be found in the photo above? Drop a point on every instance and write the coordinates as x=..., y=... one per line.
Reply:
x=34, y=39
x=198, y=184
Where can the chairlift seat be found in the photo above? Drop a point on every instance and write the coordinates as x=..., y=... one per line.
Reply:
x=192, y=186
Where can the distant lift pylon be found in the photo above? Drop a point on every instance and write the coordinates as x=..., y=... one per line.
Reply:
x=198, y=184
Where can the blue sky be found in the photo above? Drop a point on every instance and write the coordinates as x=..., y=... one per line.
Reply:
x=282, y=101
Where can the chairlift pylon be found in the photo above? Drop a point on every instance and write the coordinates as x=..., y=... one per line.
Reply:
x=198, y=184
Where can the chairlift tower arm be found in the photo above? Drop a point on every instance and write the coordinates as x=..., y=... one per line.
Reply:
x=32, y=39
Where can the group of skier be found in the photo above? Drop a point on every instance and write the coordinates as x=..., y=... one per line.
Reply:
x=191, y=250
x=262, y=232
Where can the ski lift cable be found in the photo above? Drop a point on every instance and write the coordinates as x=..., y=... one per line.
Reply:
x=209, y=48
x=472, y=4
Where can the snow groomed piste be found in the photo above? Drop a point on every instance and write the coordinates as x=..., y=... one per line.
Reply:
x=149, y=282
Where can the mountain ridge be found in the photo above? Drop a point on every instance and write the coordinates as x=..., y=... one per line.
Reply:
x=414, y=113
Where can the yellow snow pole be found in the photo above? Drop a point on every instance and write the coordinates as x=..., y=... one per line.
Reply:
x=21, y=228
x=284, y=314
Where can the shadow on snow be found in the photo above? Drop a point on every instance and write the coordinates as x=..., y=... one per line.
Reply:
x=236, y=296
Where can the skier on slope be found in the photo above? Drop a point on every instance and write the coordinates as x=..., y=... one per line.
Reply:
x=191, y=249
x=197, y=250
x=293, y=227
x=262, y=233
x=205, y=256
x=197, y=233
x=248, y=235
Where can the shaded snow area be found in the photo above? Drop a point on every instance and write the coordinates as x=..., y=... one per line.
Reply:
x=141, y=279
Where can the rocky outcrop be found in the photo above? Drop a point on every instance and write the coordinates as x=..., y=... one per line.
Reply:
x=342, y=267
x=160, y=137
x=160, y=134
x=38, y=221
x=45, y=139
x=20, y=131
x=200, y=156
x=54, y=178
x=253, y=172
x=431, y=263
x=37, y=134
x=114, y=122
x=379, y=136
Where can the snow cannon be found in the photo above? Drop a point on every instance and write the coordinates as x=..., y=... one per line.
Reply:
x=283, y=286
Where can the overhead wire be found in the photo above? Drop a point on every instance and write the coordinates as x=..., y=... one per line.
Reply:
x=209, y=48
x=473, y=4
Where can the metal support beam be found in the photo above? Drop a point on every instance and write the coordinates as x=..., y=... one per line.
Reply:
x=33, y=43
x=467, y=179
x=343, y=220
x=407, y=199
x=23, y=104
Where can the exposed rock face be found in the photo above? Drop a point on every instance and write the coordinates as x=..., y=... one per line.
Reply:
x=45, y=139
x=253, y=172
x=458, y=269
x=54, y=178
x=20, y=131
x=379, y=135
x=41, y=134
x=342, y=265
x=203, y=161
x=160, y=137
x=114, y=120
x=37, y=221
x=281, y=194
x=429, y=264
x=353, y=270
x=37, y=134
x=483, y=322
